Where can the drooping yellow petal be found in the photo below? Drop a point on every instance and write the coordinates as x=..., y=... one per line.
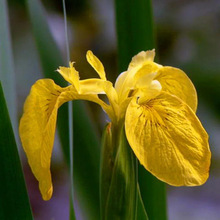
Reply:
x=70, y=75
x=37, y=129
x=141, y=58
x=96, y=64
x=38, y=123
x=169, y=140
x=176, y=82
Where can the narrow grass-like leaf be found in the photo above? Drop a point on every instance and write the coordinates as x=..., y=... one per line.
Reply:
x=70, y=122
x=141, y=212
x=86, y=150
x=14, y=202
x=7, y=75
x=118, y=176
x=134, y=26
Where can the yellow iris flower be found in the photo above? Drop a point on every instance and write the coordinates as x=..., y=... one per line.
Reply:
x=157, y=105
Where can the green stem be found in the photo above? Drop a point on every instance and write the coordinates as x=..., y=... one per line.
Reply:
x=118, y=176
x=70, y=117
x=134, y=24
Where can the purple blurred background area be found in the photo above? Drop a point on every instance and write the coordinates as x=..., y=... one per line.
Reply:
x=187, y=36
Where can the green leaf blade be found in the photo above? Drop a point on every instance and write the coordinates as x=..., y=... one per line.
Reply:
x=7, y=75
x=153, y=193
x=13, y=194
x=134, y=25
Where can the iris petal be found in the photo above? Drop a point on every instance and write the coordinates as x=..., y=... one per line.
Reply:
x=96, y=64
x=120, y=80
x=70, y=75
x=37, y=129
x=136, y=77
x=38, y=123
x=169, y=140
x=141, y=58
x=150, y=92
x=99, y=86
x=176, y=82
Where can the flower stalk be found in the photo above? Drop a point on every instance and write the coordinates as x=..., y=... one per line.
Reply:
x=118, y=179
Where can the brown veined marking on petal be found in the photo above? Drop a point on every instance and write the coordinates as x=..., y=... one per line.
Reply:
x=173, y=144
x=154, y=121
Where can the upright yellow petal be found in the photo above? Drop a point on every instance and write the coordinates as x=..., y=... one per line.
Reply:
x=136, y=77
x=70, y=75
x=120, y=80
x=176, y=82
x=144, y=80
x=141, y=58
x=169, y=140
x=96, y=64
